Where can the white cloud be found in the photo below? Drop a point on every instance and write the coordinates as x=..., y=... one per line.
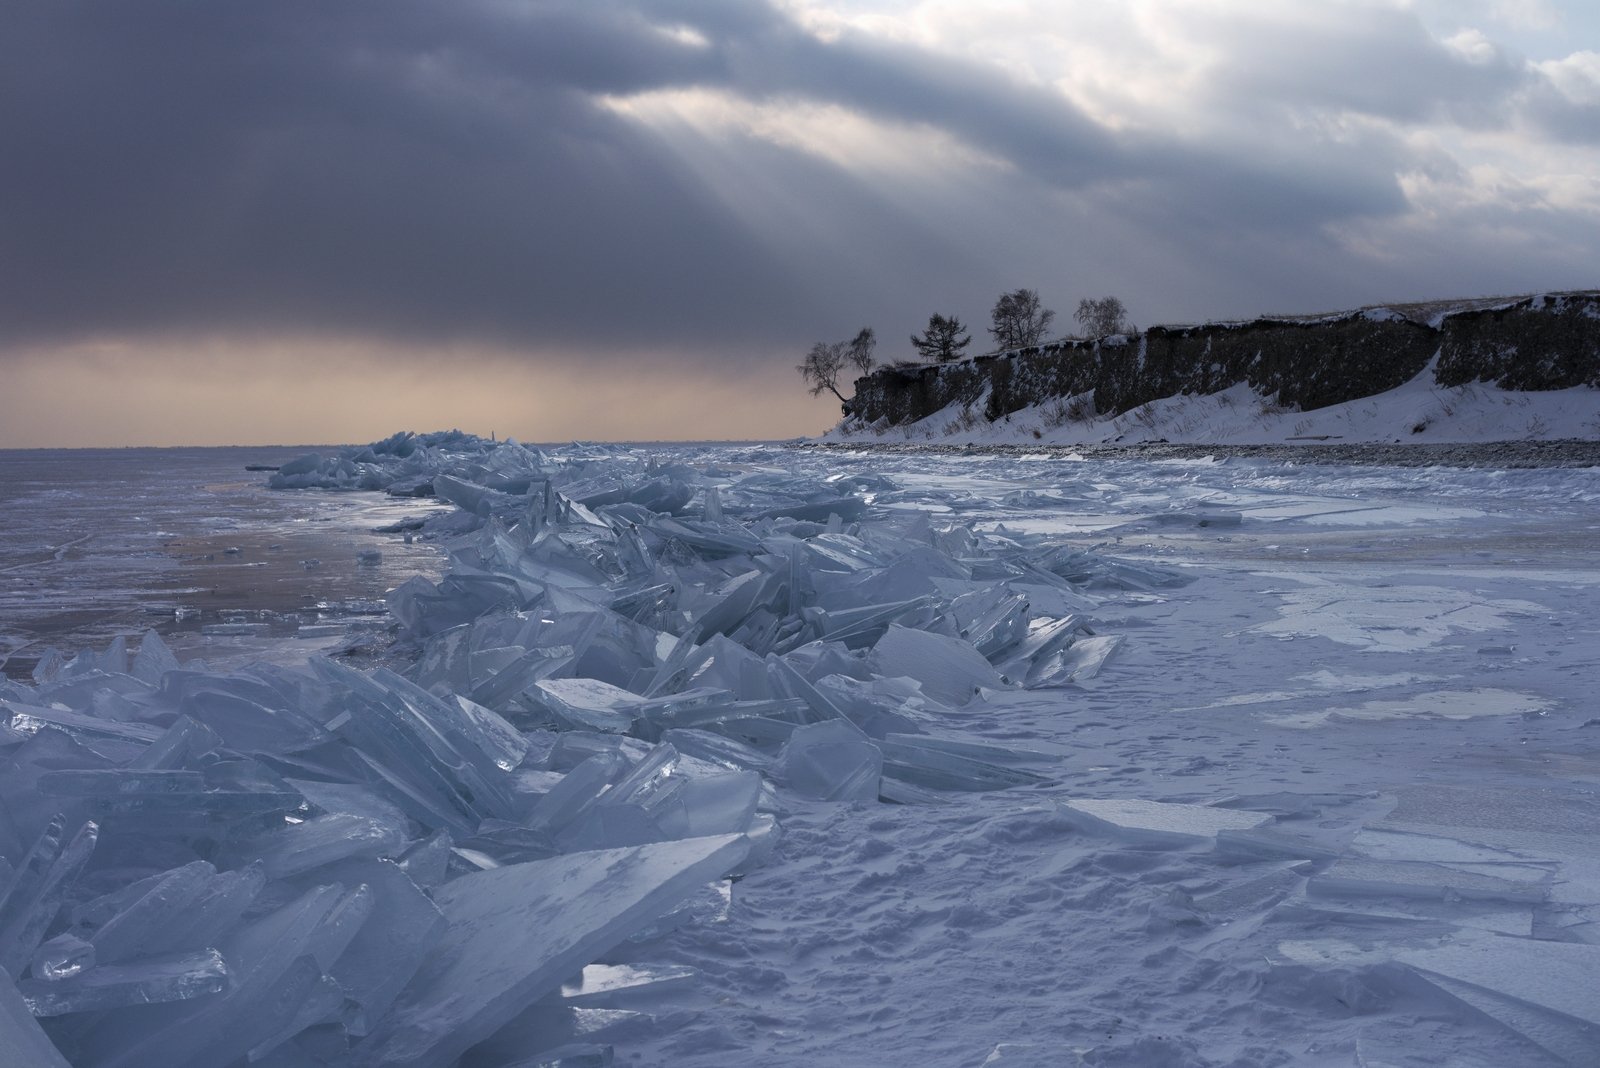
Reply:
x=844, y=137
x=684, y=35
x=1527, y=14
x=1473, y=46
x=1576, y=77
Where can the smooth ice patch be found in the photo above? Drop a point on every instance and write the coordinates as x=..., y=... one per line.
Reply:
x=1439, y=704
x=1391, y=619
x=1319, y=683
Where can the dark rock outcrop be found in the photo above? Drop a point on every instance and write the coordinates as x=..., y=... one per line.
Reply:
x=1533, y=343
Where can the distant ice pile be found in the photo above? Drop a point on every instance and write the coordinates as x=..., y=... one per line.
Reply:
x=591, y=723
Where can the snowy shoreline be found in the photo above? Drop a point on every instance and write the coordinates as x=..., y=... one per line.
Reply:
x=1571, y=452
x=1511, y=426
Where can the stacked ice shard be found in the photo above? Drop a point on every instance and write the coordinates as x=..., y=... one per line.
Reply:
x=594, y=713
x=282, y=865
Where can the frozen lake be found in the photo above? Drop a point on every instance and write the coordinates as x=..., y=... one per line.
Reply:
x=1330, y=800
x=1353, y=636
x=99, y=542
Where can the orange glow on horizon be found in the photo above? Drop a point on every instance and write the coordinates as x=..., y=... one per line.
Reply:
x=113, y=395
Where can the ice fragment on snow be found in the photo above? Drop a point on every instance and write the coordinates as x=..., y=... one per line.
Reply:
x=991, y=619
x=1437, y=914
x=516, y=932
x=1253, y=894
x=1078, y=662
x=603, y=985
x=1159, y=823
x=1020, y=1055
x=831, y=761
x=1377, y=844
x=942, y=769
x=713, y=804
x=1543, y=990
x=1268, y=844
x=1358, y=876
x=949, y=669
x=992, y=754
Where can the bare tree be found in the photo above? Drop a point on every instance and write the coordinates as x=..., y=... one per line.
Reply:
x=821, y=367
x=942, y=341
x=1103, y=317
x=828, y=359
x=1020, y=320
x=861, y=346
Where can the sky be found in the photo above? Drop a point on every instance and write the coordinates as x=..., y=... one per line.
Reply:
x=323, y=221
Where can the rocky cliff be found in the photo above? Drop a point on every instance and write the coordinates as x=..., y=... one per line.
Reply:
x=1532, y=343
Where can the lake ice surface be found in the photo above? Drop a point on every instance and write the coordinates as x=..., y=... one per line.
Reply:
x=1386, y=676
x=97, y=542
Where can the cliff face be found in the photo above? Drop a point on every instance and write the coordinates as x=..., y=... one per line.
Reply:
x=1536, y=343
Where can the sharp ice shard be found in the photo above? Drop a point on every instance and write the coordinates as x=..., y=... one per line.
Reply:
x=515, y=933
x=1157, y=823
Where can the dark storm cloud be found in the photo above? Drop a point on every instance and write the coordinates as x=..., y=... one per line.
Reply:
x=384, y=167
x=449, y=171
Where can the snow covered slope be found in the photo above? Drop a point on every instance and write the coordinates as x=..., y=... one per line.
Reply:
x=1418, y=411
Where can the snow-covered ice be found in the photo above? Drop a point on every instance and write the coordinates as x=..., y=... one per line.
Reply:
x=742, y=754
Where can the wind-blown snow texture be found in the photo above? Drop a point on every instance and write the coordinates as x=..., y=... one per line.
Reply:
x=1015, y=761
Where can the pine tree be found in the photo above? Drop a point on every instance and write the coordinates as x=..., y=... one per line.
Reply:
x=942, y=341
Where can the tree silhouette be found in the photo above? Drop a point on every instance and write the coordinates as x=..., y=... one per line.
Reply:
x=828, y=359
x=942, y=341
x=1103, y=317
x=1020, y=320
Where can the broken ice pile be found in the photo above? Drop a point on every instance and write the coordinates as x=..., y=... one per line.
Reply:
x=729, y=611
x=593, y=715
x=320, y=866
x=401, y=463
